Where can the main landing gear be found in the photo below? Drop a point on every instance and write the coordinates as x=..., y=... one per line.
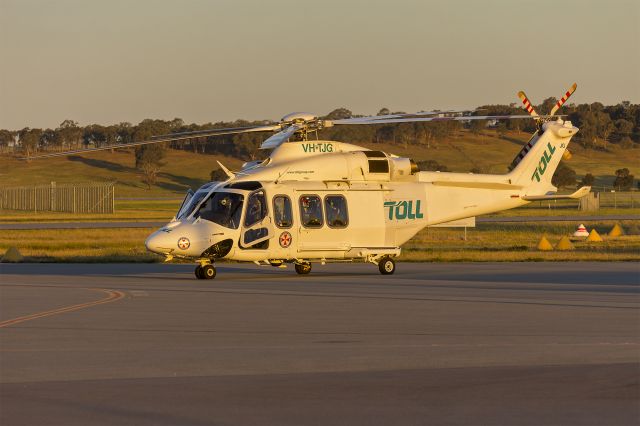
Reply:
x=387, y=265
x=205, y=271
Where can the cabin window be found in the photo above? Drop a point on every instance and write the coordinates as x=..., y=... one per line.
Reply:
x=311, y=211
x=335, y=207
x=282, y=213
x=256, y=208
x=223, y=208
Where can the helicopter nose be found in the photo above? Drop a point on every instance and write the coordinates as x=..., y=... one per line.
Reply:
x=158, y=242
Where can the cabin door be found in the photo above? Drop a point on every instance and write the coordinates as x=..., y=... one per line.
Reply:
x=257, y=226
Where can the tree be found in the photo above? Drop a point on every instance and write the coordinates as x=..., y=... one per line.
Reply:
x=477, y=126
x=149, y=160
x=70, y=133
x=432, y=166
x=338, y=114
x=564, y=176
x=218, y=175
x=29, y=139
x=546, y=106
x=623, y=128
x=588, y=180
x=6, y=138
x=624, y=180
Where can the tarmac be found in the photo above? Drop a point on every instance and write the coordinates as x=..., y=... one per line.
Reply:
x=443, y=344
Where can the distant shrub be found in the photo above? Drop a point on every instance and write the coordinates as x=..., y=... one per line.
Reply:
x=432, y=166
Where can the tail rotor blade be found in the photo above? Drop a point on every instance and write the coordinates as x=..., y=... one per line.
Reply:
x=527, y=104
x=566, y=96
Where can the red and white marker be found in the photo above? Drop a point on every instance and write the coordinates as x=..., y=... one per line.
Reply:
x=564, y=99
x=581, y=232
x=527, y=104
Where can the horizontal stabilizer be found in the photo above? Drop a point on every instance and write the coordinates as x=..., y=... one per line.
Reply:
x=578, y=194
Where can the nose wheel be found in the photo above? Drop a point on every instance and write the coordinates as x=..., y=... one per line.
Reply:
x=303, y=268
x=205, y=272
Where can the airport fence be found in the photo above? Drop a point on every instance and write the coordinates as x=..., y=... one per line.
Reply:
x=89, y=197
x=598, y=199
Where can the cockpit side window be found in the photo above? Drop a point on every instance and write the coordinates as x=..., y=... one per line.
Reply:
x=222, y=208
x=311, y=211
x=256, y=208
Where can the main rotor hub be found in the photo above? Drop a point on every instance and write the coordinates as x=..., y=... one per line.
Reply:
x=298, y=117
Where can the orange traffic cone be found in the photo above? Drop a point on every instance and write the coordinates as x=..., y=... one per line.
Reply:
x=616, y=231
x=594, y=237
x=544, y=244
x=564, y=244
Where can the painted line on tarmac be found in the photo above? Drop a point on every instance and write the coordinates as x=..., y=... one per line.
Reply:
x=113, y=295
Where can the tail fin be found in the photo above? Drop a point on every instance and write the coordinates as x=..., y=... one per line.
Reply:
x=538, y=160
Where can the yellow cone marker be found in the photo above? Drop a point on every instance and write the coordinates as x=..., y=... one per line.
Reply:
x=564, y=244
x=544, y=244
x=594, y=237
x=12, y=256
x=616, y=231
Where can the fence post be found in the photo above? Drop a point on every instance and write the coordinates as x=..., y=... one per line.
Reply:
x=74, y=199
x=53, y=195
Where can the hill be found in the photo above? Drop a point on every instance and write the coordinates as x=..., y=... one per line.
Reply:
x=182, y=169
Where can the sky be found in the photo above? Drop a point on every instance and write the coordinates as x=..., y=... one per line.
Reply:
x=113, y=61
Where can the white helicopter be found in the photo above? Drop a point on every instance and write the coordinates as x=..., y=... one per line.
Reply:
x=325, y=201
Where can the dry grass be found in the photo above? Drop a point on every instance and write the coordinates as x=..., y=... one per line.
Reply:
x=182, y=170
x=126, y=210
x=79, y=245
x=518, y=242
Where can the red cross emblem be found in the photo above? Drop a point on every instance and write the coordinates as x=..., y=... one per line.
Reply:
x=184, y=243
x=285, y=239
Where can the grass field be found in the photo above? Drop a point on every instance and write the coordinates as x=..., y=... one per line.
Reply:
x=487, y=242
x=183, y=170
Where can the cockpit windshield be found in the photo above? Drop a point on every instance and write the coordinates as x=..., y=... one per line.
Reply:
x=185, y=204
x=223, y=208
x=192, y=200
x=191, y=204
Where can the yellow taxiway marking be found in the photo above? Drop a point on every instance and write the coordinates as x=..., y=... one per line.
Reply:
x=113, y=295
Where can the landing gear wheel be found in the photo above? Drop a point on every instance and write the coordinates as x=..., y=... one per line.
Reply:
x=208, y=272
x=199, y=272
x=387, y=266
x=303, y=268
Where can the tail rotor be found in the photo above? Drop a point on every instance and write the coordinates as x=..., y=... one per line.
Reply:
x=561, y=102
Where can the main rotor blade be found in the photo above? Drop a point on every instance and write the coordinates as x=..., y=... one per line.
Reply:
x=373, y=118
x=566, y=96
x=280, y=137
x=216, y=132
x=163, y=138
x=423, y=119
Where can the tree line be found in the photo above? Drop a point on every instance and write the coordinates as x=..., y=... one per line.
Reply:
x=600, y=127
